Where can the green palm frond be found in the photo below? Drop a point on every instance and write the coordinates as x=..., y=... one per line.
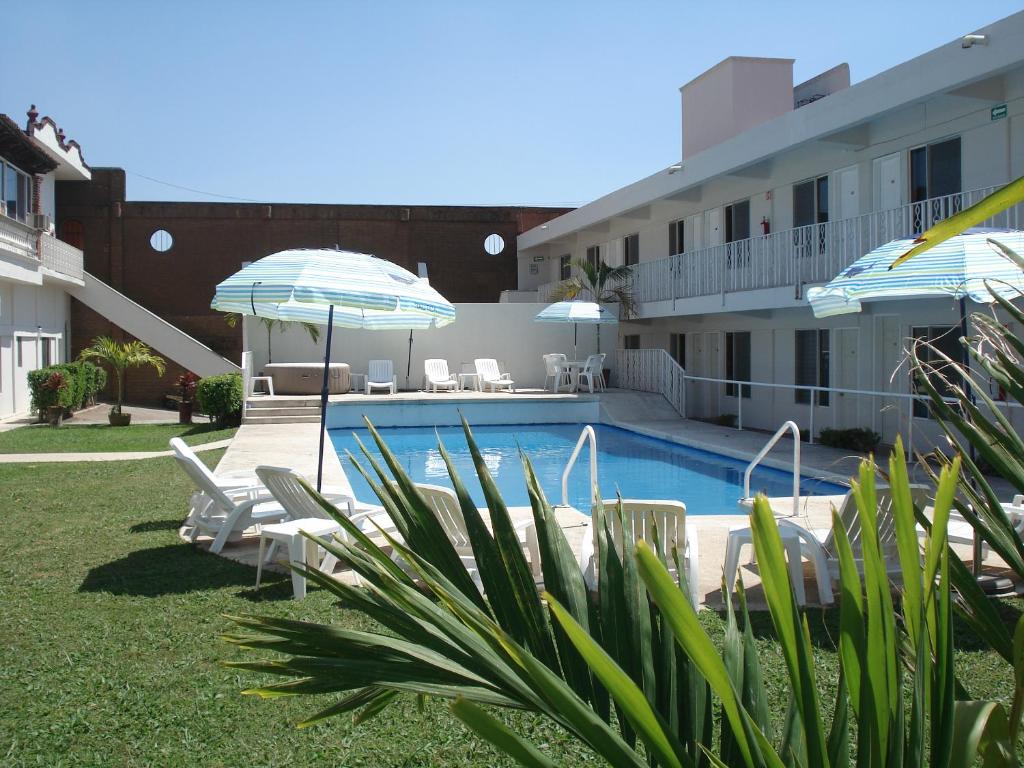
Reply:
x=120, y=356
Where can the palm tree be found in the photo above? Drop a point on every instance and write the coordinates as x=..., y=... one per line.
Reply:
x=231, y=318
x=603, y=284
x=120, y=356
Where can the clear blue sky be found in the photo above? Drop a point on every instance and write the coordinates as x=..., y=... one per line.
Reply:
x=415, y=102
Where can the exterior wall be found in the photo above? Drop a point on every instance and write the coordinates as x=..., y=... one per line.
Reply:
x=29, y=312
x=506, y=332
x=211, y=241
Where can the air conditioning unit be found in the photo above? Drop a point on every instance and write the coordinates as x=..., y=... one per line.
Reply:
x=41, y=221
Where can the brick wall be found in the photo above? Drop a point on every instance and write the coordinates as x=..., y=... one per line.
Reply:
x=211, y=240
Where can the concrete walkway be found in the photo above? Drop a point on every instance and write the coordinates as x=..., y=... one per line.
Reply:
x=41, y=458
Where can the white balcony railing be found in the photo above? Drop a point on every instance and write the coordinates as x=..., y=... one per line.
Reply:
x=544, y=291
x=652, y=370
x=61, y=257
x=811, y=254
x=18, y=238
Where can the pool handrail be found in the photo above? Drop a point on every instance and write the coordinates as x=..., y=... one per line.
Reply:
x=587, y=434
x=790, y=426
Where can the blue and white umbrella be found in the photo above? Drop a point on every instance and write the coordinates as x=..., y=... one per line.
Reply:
x=958, y=268
x=334, y=288
x=575, y=312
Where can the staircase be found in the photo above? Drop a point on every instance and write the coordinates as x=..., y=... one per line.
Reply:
x=282, y=409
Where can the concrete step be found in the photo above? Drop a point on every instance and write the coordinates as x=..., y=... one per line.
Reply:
x=312, y=401
x=312, y=419
x=285, y=411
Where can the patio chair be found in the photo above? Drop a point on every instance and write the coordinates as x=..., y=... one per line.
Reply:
x=224, y=512
x=960, y=531
x=490, y=377
x=593, y=372
x=557, y=377
x=381, y=375
x=640, y=517
x=445, y=505
x=437, y=377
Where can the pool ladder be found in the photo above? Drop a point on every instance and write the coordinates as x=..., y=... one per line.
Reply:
x=587, y=434
x=748, y=500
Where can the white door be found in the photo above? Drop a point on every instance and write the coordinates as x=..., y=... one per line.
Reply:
x=886, y=174
x=890, y=375
x=847, y=202
x=846, y=376
x=25, y=360
x=6, y=376
x=695, y=232
x=714, y=234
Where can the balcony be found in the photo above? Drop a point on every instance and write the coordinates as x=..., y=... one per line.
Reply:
x=793, y=257
x=59, y=257
x=39, y=249
x=18, y=239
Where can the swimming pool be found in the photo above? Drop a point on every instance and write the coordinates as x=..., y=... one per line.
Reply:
x=636, y=465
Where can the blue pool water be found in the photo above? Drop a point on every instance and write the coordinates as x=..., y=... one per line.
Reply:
x=635, y=465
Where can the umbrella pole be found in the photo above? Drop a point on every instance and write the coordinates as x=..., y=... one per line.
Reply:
x=323, y=402
x=408, y=362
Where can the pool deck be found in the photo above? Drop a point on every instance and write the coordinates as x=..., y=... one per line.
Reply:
x=293, y=445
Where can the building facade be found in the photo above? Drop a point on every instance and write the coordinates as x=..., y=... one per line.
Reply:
x=779, y=188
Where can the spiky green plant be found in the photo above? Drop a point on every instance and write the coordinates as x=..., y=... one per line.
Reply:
x=631, y=673
x=121, y=356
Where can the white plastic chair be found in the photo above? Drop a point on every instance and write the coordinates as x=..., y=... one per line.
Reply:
x=436, y=373
x=381, y=375
x=224, y=512
x=593, y=372
x=960, y=531
x=668, y=516
x=552, y=373
x=490, y=377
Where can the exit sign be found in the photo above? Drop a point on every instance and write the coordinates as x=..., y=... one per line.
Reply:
x=538, y=258
x=998, y=112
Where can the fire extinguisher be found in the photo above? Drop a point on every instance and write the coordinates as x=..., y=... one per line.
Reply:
x=766, y=226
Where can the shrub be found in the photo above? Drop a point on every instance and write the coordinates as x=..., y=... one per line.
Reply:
x=858, y=439
x=220, y=397
x=724, y=420
x=45, y=391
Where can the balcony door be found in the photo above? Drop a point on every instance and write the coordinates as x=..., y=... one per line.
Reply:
x=935, y=183
x=714, y=234
x=885, y=172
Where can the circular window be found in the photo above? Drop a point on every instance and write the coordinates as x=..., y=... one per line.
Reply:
x=161, y=240
x=494, y=244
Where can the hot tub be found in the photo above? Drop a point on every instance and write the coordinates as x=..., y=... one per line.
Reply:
x=308, y=378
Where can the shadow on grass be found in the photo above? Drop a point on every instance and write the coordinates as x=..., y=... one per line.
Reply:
x=151, y=526
x=174, y=569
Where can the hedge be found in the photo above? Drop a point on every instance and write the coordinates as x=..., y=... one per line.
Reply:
x=220, y=397
x=857, y=439
x=84, y=381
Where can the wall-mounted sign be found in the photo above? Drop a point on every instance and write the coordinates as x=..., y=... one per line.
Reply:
x=538, y=258
x=998, y=112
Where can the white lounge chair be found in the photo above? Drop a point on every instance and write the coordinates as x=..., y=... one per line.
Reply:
x=637, y=514
x=553, y=374
x=490, y=377
x=381, y=375
x=306, y=514
x=446, y=507
x=593, y=372
x=960, y=531
x=437, y=377
x=225, y=512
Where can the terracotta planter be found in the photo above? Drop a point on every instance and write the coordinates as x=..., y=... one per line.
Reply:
x=55, y=415
x=119, y=419
x=185, y=412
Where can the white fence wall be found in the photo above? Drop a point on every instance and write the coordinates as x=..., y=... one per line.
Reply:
x=506, y=332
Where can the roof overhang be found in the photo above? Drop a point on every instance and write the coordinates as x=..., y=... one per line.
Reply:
x=66, y=153
x=17, y=147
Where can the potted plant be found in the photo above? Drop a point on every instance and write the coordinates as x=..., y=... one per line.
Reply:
x=187, y=384
x=55, y=387
x=120, y=356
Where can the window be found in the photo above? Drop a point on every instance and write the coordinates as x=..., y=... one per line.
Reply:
x=15, y=192
x=812, y=364
x=676, y=231
x=565, y=266
x=943, y=339
x=46, y=350
x=737, y=362
x=20, y=343
x=594, y=256
x=72, y=233
x=631, y=249
x=935, y=173
x=677, y=348
x=631, y=341
x=810, y=206
x=737, y=221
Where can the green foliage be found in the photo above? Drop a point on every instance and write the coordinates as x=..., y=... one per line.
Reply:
x=220, y=397
x=100, y=438
x=603, y=284
x=81, y=379
x=121, y=356
x=858, y=439
x=632, y=672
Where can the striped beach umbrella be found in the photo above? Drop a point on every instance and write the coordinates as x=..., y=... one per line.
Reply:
x=334, y=288
x=576, y=312
x=957, y=268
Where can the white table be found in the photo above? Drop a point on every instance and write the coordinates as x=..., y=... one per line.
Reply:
x=572, y=368
x=361, y=379
x=300, y=548
x=268, y=383
x=739, y=536
x=469, y=380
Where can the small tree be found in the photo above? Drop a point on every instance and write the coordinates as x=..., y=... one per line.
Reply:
x=232, y=318
x=121, y=356
x=603, y=284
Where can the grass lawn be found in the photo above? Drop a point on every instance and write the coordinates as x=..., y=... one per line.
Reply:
x=101, y=438
x=109, y=649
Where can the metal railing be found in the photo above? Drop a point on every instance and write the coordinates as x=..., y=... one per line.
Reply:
x=61, y=257
x=652, y=370
x=812, y=254
x=544, y=291
x=586, y=435
x=789, y=426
